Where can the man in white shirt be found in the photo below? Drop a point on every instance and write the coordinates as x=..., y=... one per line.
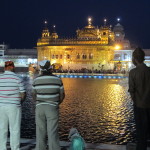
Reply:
x=12, y=94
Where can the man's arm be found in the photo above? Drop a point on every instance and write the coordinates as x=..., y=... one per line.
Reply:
x=131, y=89
x=22, y=90
x=23, y=96
x=62, y=94
x=34, y=92
x=34, y=96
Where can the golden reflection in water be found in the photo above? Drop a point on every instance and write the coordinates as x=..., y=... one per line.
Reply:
x=97, y=108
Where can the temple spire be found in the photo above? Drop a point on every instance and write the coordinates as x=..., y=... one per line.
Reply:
x=89, y=21
x=54, y=28
x=118, y=20
x=105, y=22
x=54, y=33
x=45, y=32
x=45, y=24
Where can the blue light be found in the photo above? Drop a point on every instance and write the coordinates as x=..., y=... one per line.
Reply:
x=93, y=76
x=84, y=76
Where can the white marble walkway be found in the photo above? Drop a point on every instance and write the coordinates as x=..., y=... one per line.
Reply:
x=29, y=144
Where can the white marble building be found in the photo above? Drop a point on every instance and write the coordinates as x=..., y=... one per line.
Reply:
x=21, y=57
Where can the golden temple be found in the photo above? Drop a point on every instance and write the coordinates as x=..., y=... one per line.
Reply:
x=93, y=47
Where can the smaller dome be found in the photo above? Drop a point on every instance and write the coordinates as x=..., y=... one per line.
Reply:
x=89, y=31
x=118, y=27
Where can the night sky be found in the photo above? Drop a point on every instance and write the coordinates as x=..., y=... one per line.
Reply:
x=23, y=20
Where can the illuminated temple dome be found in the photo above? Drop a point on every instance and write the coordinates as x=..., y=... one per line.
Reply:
x=91, y=32
x=92, y=48
x=88, y=32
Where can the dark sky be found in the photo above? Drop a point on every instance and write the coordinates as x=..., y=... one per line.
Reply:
x=23, y=20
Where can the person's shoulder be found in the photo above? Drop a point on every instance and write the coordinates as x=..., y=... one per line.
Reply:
x=57, y=78
x=133, y=70
x=147, y=67
x=52, y=76
x=12, y=74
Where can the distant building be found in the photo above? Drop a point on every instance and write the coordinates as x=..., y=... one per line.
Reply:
x=21, y=57
x=92, y=48
x=147, y=56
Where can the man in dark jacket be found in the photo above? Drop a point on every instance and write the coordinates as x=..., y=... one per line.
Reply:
x=139, y=88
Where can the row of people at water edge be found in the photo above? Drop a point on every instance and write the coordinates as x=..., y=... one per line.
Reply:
x=48, y=91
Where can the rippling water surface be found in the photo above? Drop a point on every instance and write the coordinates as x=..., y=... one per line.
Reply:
x=101, y=109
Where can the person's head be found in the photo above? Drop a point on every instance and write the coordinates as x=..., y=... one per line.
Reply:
x=45, y=65
x=9, y=66
x=138, y=56
x=73, y=132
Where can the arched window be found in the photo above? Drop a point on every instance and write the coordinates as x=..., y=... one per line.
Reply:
x=104, y=33
x=53, y=56
x=60, y=56
x=125, y=56
x=90, y=56
x=117, y=57
x=68, y=56
x=78, y=56
x=84, y=56
x=56, y=56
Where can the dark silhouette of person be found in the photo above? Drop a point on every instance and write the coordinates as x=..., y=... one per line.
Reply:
x=139, y=88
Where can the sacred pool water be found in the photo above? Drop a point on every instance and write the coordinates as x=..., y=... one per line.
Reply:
x=101, y=110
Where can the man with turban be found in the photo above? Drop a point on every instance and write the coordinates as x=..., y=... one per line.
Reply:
x=48, y=91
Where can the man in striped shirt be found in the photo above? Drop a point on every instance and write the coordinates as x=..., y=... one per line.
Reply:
x=49, y=93
x=12, y=92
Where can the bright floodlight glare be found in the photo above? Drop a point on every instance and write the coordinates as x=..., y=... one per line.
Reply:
x=45, y=22
x=117, y=47
x=105, y=20
x=118, y=19
x=89, y=19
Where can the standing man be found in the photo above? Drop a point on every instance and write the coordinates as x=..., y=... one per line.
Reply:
x=12, y=93
x=139, y=88
x=49, y=93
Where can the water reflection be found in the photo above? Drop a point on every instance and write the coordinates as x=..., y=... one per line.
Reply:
x=100, y=109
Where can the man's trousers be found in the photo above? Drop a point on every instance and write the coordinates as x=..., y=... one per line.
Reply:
x=47, y=124
x=10, y=116
x=142, y=120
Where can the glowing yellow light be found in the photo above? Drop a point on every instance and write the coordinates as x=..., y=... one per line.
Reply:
x=89, y=19
x=53, y=61
x=117, y=47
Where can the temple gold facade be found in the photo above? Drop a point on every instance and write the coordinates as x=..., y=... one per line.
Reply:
x=92, y=48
